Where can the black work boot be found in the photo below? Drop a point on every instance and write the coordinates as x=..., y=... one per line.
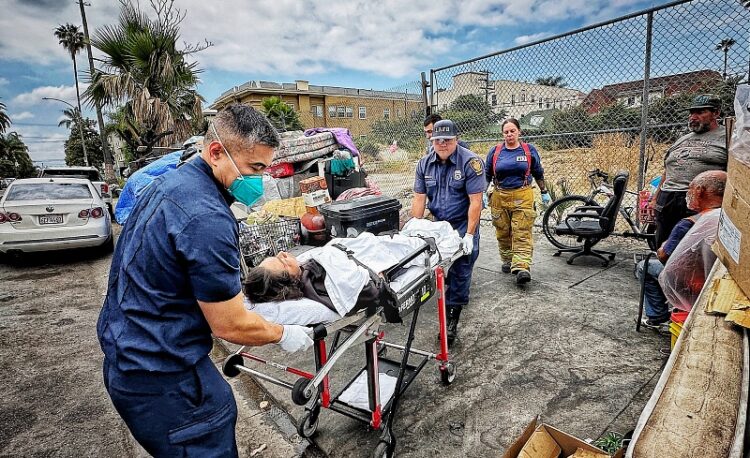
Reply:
x=453, y=315
x=523, y=276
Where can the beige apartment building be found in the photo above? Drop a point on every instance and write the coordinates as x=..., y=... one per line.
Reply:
x=328, y=106
x=515, y=98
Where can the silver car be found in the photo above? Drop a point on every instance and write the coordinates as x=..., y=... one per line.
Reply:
x=44, y=214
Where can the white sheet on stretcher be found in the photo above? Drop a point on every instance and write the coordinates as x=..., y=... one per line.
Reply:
x=357, y=394
x=345, y=279
x=306, y=311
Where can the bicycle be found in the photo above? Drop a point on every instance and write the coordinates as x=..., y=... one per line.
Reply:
x=601, y=191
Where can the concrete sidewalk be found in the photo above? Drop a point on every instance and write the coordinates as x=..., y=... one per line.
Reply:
x=564, y=347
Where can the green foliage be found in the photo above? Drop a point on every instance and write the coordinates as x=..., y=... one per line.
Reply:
x=555, y=81
x=407, y=132
x=145, y=74
x=4, y=119
x=574, y=119
x=74, y=150
x=282, y=116
x=610, y=442
x=473, y=116
x=368, y=148
x=14, y=157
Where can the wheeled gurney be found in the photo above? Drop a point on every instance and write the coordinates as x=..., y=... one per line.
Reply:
x=378, y=408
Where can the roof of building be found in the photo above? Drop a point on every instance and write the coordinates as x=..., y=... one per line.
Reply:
x=271, y=87
x=670, y=84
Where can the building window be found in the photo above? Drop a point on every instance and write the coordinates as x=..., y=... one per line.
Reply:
x=317, y=111
x=631, y=100
x=341, y=112
x=540, y=102
x=398, y=112
x=386, y=113
x=331, y=111
x=494, y=100
x=349, y=112
x=362, y=112
x=533, y=98
x=548, y=104
x=523, y=95
x=513, y=99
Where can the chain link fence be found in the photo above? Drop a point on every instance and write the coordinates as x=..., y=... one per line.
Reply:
x=610, y=96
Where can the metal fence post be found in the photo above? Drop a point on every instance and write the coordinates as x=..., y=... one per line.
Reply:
x=645, y=98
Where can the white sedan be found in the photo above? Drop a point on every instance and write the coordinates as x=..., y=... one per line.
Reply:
x=44, y=214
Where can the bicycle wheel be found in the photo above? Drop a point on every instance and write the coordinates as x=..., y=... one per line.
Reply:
x=556, y=213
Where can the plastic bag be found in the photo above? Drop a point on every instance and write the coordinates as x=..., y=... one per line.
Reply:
x=687, y=268
x=140, y=180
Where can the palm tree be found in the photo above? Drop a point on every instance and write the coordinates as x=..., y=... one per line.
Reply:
x=4, y=118
x=73, y=117
x=724, y=46
x=145, y=73
x=555, y=81
x=14, y=157
x=71, y=38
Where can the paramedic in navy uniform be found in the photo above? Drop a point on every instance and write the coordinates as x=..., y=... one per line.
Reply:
x=175, y=280
x=450, y=182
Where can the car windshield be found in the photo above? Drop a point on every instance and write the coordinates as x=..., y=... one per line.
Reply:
x=47, y=191
x=91, y=175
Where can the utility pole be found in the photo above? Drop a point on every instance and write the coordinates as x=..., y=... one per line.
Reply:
x=109, y=171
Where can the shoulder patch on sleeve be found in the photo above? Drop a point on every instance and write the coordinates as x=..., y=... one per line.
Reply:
x=476, y=165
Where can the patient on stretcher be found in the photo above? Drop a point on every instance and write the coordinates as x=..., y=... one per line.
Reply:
x=283, y=277
x=329, y=275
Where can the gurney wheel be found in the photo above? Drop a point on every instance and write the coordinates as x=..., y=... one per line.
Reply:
x=309, y=424
x=381, y=450
x=298, y=392
x=229, y=368
x=447, y=373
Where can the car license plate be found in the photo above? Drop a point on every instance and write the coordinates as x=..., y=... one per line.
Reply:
x=51, y=219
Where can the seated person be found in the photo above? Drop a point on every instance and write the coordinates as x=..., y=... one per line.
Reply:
x=704, y=195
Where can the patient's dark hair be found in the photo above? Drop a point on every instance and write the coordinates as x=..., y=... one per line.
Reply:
x=262, y=285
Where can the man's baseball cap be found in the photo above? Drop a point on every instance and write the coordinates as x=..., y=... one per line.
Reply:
x=444, y=130
x=705, y=101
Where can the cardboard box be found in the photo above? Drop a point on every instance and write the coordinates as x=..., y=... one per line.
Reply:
x=539, y=440
x=733, y=241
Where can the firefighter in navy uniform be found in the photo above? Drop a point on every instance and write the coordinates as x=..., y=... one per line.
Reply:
x=450, y=182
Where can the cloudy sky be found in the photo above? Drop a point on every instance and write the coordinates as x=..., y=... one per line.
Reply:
x=351, y=43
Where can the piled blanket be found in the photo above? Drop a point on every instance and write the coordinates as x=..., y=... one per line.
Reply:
x=296, y=147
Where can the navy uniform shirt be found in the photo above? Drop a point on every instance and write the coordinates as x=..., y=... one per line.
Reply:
x=448, y=184
x=179, y=245
x=510, y=169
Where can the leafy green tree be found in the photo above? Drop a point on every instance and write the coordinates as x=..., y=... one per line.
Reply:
x=74, y=150
x=144, y=72
x=281, y=115
x=71, y=38
x=4, y=119
x=406, y=132
x=555, y=81
x=569, y=121
x=14, y=157
x=473, y=116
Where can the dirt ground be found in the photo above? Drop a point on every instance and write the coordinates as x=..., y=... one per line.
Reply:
x=54, y=402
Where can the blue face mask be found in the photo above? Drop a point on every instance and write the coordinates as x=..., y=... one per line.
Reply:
x=247, y=189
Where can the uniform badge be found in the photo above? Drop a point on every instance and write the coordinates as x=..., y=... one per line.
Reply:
x=457, y=175
x=520, y=158
x=476, y=165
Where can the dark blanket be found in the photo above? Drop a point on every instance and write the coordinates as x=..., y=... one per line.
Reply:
x=373, y=296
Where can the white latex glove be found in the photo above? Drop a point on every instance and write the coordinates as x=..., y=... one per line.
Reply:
x=295, y=338
x=468, y=243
